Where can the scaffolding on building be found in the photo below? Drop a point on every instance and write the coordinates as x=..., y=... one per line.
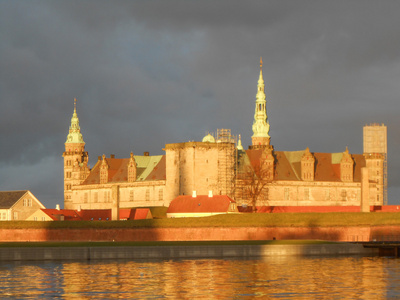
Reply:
x=375, y=142
x=227, y=158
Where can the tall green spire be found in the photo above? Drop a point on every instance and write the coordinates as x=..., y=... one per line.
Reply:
x=260, y=123
x=74, y=135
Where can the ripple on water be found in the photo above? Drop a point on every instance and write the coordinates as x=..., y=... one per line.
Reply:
x=279, y=277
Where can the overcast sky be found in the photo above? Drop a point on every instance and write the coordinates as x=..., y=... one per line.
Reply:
x=147, y=73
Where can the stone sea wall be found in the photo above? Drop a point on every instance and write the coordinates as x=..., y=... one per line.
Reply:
x=179, y=252
x=342, y=234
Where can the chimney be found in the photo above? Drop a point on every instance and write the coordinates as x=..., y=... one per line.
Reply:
x=146, y=153
x=194, y=195
x=79, y=208
x=210, y=194
x=112, y=155
x=58, y=206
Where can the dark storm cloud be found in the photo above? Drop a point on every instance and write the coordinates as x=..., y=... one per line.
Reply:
x=148, y=73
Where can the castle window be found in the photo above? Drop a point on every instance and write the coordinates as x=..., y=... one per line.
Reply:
x=15, y=215
x=131, y=195
x=343, y=195
x=148, y=195
x=327, y=194
x=160, y=194
x=287, y=194
x=306, y=194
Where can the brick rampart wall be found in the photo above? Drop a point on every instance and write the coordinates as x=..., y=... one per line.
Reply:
x=324, y=209
x=360, y=233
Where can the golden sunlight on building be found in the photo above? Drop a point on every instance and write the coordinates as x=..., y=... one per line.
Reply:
x=259, y=176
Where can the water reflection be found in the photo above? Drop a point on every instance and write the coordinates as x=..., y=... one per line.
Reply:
x=279, y=277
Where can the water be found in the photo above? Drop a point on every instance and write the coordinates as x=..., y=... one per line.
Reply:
x=279, y=277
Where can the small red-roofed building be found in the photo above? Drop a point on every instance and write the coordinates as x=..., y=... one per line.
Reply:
x=201, y=206
x=135, y=214
x=57, y=214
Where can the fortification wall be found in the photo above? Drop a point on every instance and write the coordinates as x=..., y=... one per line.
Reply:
x=345, y=234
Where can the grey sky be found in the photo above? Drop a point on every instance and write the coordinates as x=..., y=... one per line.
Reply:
x=146, y=73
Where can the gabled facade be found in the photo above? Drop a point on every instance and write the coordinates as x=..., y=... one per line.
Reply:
x=18, y=205
x=316, y=181
x=303, y=178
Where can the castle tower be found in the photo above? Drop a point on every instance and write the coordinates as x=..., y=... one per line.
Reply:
x=76, y=167
x=260, y=138
x=375, y=150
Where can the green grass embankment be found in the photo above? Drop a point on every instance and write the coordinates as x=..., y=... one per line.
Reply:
x=231, y=220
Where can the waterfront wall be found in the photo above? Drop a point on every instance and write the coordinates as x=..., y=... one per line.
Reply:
x=178, y=252
x=343, y=234
x=321, y=209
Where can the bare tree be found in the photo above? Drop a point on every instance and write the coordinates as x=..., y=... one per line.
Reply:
x=254, y=181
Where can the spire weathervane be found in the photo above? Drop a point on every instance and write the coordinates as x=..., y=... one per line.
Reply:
x=260, y=126
x=75, y=135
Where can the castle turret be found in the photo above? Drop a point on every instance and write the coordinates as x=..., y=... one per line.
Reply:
x=260, y=138
x=76, y=167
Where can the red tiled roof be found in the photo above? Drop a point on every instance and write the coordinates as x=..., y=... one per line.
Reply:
x=118, y=170
x=290, y=169
x=141, y=213
x=95, y=214
x=134, y=213
x=200, y=204
x=125, y=213
x=69, y=214
x=158, y=172
x=83, y=215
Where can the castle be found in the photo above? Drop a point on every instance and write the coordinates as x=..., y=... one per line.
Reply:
x=219, y=165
